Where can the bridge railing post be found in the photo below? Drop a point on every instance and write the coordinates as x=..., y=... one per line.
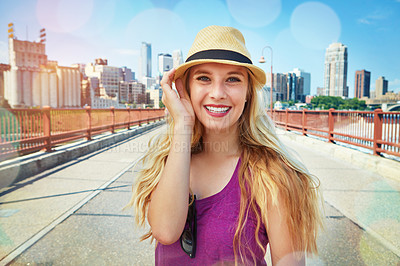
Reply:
x=331, y=123
x=89, y=122
x=129, y=118
x=286, y=119
x=112, y=109
x=304, y=122
x=378, y=117
x=47, y=127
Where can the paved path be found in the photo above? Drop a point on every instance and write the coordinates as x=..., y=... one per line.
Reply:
x=362, y=209
x=72, y=215
x=35, y=206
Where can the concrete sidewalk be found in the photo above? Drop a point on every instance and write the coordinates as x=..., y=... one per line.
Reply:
x=351, y=182
x=33, y=207
x=71, y=214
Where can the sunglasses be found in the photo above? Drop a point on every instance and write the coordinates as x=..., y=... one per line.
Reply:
x=188, y=237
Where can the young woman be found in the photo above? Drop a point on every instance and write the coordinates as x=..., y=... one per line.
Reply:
x=219, y=185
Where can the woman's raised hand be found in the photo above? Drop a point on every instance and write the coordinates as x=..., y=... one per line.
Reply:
x=178, y=105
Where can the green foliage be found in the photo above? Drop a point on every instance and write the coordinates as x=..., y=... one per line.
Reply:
x=338, y=103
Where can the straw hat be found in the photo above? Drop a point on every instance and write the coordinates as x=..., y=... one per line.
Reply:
x=218, y=44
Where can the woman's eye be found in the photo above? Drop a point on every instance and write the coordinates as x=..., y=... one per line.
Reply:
x=203, y=78
x=233, y=79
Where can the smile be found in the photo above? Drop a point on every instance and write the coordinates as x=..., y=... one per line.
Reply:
x=217, y=110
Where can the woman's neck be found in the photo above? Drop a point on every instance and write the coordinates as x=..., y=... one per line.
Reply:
x=221, y=143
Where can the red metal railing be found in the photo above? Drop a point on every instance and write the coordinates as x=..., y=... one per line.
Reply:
x=378, y=131
x=28, y=130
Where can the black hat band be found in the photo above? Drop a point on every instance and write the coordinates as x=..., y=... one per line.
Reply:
x=220, y=55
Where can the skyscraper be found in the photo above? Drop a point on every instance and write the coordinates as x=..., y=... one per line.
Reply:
x=177, y=57
x=145, y=61
x=306, y=80
x=362, y=83
x=381, y=87
x=165, y=63
x=295, y=88
x=335, y=76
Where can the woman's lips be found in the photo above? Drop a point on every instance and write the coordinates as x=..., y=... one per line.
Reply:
x=217, y=110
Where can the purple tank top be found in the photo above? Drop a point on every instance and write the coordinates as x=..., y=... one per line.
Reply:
x=216, y=225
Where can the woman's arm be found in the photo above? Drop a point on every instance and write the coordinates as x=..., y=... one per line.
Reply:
x=280, y=240
x=169, y=201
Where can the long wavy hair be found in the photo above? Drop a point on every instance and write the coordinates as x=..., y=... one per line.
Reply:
x=268, y=172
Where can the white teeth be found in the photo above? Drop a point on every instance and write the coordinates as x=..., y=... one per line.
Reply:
x=217, y=109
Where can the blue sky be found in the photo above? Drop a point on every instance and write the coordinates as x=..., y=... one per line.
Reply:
x=78, y=31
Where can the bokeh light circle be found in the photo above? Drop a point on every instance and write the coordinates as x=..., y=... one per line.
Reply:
x=63, y=15
x=212, y=13
x=158, y=27
x=315, y=25
x=254, y=13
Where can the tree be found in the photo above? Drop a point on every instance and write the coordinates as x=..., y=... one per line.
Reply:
x=338, y=103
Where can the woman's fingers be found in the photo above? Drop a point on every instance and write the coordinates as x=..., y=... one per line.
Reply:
x=179, y=88
x=166, y=81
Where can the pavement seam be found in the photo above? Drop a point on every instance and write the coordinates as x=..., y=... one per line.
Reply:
x=387, y=244
x=20, y=249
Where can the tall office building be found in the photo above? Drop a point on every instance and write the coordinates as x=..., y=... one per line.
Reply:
x=335, y=76
x=177, y=58
x=33, y=80
x=280, y=86
x=165, y=63
x=381, y=87
x=126, y=74
x=362, y=83
x=295, y=88
x=130, y=91
x=287, y=87
x=145, y=61
x=306, y=80
x=109, y=78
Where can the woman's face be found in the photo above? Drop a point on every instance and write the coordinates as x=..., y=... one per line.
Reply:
x=218, y=94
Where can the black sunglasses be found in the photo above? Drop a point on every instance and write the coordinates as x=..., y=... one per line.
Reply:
x=188, y=237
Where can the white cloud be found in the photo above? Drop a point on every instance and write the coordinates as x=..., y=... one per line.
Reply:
x=374, y=17
x=364, y=21
x=127, y=52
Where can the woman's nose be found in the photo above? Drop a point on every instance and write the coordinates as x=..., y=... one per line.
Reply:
x=218, y=91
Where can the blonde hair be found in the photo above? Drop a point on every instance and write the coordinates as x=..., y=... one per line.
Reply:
x=268, y=172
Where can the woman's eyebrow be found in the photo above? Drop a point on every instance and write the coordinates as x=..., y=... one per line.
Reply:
x=236, y=73
x=202, y=72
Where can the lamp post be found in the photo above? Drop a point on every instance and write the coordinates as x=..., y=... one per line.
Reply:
x=262, y=60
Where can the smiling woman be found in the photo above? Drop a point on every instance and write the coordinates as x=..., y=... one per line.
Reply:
x=218, y=94
x=248, y=193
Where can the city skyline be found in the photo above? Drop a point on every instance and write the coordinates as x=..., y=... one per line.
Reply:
x=79, y=32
